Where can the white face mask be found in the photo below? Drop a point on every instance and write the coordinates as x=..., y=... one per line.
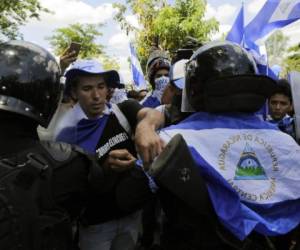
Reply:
x=160, y=85
x=119, y=96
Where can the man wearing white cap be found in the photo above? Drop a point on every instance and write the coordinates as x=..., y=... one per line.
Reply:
x=104, y=129
x=172, y=95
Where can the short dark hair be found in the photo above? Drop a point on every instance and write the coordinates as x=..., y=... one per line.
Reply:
x=284, y=88
x=132, y=94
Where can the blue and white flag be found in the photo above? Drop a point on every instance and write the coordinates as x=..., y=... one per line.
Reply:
x=236, y=34
x=252, y=170
x=137, y=73
x=273, y=15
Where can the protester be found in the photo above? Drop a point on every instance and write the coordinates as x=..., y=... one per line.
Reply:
x=118, y=96
x=142, y=94
x=106, y=129
x=69, y=56
x=133, y=94
x=158, y=66
x=173, y=93
x=117, y=93
x=213, y=199
x=281, y=106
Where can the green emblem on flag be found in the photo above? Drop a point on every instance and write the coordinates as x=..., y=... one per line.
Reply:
x=249, y=167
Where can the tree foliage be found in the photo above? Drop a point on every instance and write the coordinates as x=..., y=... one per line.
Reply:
x=109, y=62
x=276, y=46
x=14, y=13
x=292, y=61
x=174, y=23
x=85, y=34
x=280, y=54
x=164, y=25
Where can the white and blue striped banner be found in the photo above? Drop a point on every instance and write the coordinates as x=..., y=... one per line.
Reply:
x=273, y=15
x=252, y=170
x=137, y=73
x=239, y=35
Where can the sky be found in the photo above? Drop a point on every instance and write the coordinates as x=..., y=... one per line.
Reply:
x=116, y=42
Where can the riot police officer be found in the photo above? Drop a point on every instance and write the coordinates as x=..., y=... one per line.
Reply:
x=209, y=204
x=43, y=184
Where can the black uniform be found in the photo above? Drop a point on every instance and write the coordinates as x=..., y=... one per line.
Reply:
x=68, y=183
x=43, y=186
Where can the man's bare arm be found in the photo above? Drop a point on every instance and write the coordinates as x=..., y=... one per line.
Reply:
x=148, y=143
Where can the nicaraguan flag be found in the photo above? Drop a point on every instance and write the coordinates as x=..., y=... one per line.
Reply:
x=273, y=15
x=236, y=34
x=252, y=170
x=137, y=73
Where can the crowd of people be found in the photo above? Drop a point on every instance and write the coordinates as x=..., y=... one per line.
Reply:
x=86, y=164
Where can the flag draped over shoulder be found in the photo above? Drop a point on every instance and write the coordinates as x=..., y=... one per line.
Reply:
x=252, y=171
x=137, y=73
x=75, y=128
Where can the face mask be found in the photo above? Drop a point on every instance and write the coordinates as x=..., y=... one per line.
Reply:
x=161, y=83
x=119, y=96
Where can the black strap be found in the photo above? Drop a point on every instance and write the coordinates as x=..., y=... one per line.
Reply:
x=33, y=168
x=5, y=167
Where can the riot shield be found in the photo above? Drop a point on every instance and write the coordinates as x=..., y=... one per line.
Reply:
x=294, y=78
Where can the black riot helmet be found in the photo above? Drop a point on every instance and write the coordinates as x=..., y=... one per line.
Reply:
x=29, y=81
x=222, y=77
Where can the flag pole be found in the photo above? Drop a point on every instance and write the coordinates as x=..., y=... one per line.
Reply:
x=243, y=37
